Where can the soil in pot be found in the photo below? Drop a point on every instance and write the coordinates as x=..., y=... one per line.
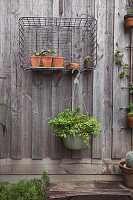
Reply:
x=58, y=61
x=35, y=61
x=128, y=20
x=130, y=122
x=47, y=61
x=127, y=174
x=74, y=143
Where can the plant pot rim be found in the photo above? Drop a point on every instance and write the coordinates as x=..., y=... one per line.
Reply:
x=34, y=56
x=125, y=168
x=46, y=56
x=130, y=118
x=128, y=16
x=56, y=57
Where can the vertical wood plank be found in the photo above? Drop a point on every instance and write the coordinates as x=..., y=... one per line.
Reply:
x=102, y=102
x=121, y=133
x=66, y=102
x=37, y=144
x=5, y=89
x=16, y=83
x=39, y=118
x=26, y=112
x=46, y=113
x=87, y=80
x=78, y=10
x=61, y=3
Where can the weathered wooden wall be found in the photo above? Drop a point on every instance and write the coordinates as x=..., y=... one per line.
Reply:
x=29, y=146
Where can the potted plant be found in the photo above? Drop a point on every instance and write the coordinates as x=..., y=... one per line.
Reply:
x=128, y=19
x=75, y=129
x=130, y=115
x=126, y=167
x=36, y=58
x=47, y=59
x=88, y=61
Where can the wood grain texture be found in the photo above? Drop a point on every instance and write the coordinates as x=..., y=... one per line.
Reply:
x=16, y=84
x=5, y=71
x=102, y=101
x=37, y=97
x=56, y=166
x=83, y=188
x=121, y=133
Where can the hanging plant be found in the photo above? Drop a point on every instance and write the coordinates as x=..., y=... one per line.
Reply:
x=120, y=62
x=75, y=129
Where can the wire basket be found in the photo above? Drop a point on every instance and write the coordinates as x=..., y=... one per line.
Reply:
x=72, y=38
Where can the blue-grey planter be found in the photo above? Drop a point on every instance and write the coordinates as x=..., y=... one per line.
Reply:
x=74, y=143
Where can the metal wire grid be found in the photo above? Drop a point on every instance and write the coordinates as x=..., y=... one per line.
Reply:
x=73, y=38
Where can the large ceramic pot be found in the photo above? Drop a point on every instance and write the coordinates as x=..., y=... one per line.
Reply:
x=127, y=174
x=74, y=143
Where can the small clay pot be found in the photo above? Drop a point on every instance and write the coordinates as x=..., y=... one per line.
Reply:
x=88, y=64
x=58, y=61
x=47, y=61
x=127, y=174
x=35, y=61
x=128, y=21
x=130, y=122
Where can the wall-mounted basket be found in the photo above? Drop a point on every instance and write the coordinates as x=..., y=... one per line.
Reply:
x=72, y=38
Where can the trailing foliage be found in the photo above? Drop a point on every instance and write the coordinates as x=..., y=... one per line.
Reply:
x=119, y=61
x=69, y=122
x=131, y=88
x=25, y=190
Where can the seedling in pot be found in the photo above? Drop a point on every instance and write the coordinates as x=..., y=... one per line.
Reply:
x=88, y=61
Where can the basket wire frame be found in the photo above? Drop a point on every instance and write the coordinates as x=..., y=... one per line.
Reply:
x=72, y=38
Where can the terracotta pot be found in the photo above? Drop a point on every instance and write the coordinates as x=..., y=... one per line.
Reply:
x=74, y=143
x=130, y=122
x=128, y=21
x=73, y=66
x=47, y=61
x=88, y=64
x=35, y=61
x=127, y=174
x=58, y=61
